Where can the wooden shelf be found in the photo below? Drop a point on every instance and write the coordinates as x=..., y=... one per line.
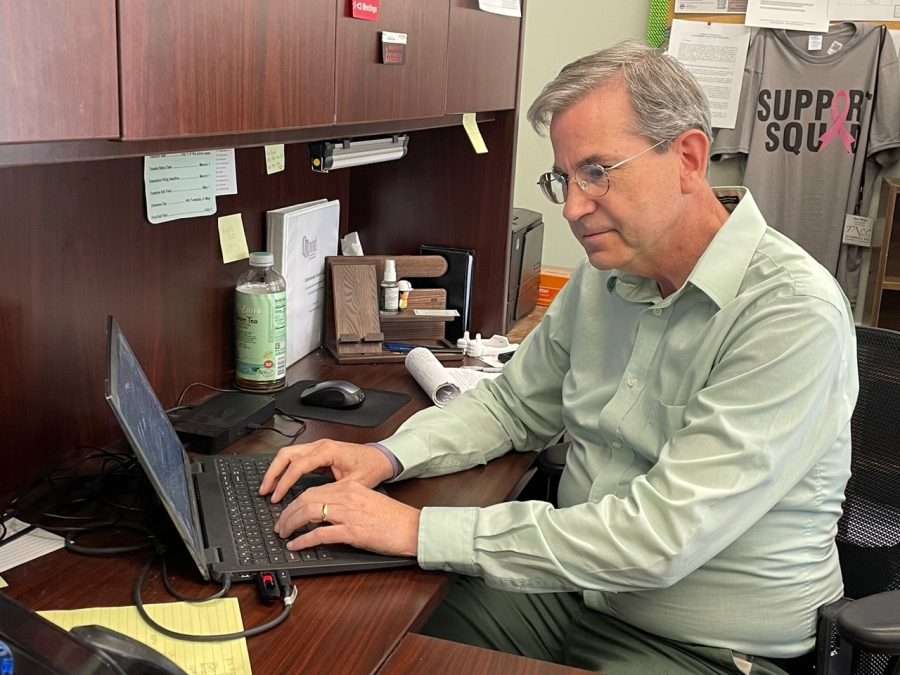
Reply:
x=891, y=284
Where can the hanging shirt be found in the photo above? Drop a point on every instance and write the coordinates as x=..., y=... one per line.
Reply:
x=814, y=125
x=710, y=447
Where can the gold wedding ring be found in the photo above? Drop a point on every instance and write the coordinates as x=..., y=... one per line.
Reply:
x=324, y=513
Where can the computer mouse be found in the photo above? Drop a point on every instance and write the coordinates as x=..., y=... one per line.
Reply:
x=338, y=394
x=126, y=652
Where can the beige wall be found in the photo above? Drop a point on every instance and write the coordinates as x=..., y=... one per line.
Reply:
x=557, y=32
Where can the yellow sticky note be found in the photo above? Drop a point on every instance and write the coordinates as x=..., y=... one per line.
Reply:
x=209, y=618
x=232, y=238
x=471, y=127
x=3, y=584
x=274, y=158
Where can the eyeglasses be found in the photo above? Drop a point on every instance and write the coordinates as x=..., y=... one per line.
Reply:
x=592, y=179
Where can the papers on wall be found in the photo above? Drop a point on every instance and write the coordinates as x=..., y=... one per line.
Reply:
x=470, y=124
x=209, y=618
x=714, y=53
x=865, y=10
x=179, y=185
x=711, y=6
x=274, y=158
x=29, y=546
x=232, y=238
x=3, y=583
x=896, y=35
x=300, y=237
x=505, y=7
x=808, y=15
x=226, y=176
x=441, y=384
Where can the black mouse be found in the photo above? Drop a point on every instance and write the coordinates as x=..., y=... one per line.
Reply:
x=127, y=653
x=338, y=394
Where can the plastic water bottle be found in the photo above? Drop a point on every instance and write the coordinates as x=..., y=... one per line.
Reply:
x=260, y=318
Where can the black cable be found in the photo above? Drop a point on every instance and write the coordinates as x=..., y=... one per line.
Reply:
x=287, y=598
x=226, y=586
x=75, y=547
x=199, y=384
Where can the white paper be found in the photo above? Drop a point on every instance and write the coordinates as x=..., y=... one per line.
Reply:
x=811, y=15
x=711, y=6
x=896, y=35
x=865, y=10
x=300, y=237
x=27, y=547
x=858, y=230
x=441, y=384
x=504, y=7
x=226, y=176
x=179, y=185
x=715, y=53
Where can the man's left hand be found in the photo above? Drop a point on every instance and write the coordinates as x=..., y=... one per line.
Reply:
x=355, y=515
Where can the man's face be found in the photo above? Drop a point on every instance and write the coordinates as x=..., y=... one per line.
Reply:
x=628, y=228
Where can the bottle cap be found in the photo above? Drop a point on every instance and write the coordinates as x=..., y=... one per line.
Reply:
x=390, y=270
x=404, y=285
x=262, y=259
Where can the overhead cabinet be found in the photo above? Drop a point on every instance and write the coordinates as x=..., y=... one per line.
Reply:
x=204, y=67
x=58, y=77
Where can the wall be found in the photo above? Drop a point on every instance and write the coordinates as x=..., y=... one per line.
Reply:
x=588, y=25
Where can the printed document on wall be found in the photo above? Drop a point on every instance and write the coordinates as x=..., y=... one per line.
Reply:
x=865, y=10
x=300, y=237
x=505, y=7
x=711, y=6
x=715, y=54
x=808, y=15
x=179, y=185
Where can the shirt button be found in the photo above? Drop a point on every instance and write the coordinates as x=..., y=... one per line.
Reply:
x=657, y=311
x=616, y=444
x=631, y=381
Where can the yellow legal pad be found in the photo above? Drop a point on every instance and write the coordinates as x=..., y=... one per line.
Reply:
x=209, y=618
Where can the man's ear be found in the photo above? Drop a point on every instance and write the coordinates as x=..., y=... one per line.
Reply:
x=692, y=148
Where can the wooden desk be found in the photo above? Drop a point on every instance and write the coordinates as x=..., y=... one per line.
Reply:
x=420, y=654
x=343, y=624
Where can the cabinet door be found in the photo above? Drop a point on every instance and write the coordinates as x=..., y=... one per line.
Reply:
x=371, y=91
x=483, y=58
x=58, y=78
x=199, y=67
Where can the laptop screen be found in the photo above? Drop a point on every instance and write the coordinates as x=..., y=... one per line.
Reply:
x=151, y=435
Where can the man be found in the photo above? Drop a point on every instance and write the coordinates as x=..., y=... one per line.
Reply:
x=703, y=367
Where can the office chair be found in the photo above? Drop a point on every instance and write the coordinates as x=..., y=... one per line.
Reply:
x=859, y=634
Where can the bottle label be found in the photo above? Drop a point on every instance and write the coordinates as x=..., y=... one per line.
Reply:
x=261, y=332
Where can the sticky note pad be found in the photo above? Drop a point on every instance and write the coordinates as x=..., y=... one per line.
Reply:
x=232, y=238
x=208, y=618
x=3, y=583
x=274, y=158
x=471, y=127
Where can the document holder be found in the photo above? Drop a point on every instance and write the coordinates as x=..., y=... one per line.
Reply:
x=355, y=329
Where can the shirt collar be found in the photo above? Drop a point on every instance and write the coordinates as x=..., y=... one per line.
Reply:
x=721, y=269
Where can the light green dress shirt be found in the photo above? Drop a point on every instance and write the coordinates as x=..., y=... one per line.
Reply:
x=710, y=447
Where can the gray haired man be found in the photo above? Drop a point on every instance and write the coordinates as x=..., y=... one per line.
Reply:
x=703, y=367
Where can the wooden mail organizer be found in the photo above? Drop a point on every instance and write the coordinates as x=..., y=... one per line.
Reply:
x=355, y=329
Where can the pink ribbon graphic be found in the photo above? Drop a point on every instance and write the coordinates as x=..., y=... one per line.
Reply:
x=839, y=123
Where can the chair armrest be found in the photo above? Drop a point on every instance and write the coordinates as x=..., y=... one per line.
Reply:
x=873, y=622
x=552, y=459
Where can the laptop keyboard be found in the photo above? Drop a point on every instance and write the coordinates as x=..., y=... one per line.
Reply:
x=253, y=517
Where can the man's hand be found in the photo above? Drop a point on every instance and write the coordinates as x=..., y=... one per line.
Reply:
x=357, y=515
x=348, y=462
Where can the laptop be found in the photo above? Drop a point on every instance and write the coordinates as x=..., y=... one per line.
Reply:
x=213, y=501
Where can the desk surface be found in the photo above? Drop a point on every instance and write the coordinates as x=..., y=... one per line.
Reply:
x=346, y=623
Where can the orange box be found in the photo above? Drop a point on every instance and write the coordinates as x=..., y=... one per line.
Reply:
x=552, y=281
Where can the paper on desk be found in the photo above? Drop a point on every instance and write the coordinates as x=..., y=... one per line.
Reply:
x=208, y=618
x=441, y=384
x=27, y=547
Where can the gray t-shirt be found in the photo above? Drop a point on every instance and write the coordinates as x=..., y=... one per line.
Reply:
x=814, y=126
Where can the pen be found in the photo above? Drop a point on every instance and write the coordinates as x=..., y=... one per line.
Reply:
x=484, y=369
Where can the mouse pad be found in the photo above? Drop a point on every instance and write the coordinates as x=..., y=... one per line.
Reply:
x=375, y=410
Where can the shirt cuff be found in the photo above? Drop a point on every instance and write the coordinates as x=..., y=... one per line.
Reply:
x=446, y=539
x=396, y=466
